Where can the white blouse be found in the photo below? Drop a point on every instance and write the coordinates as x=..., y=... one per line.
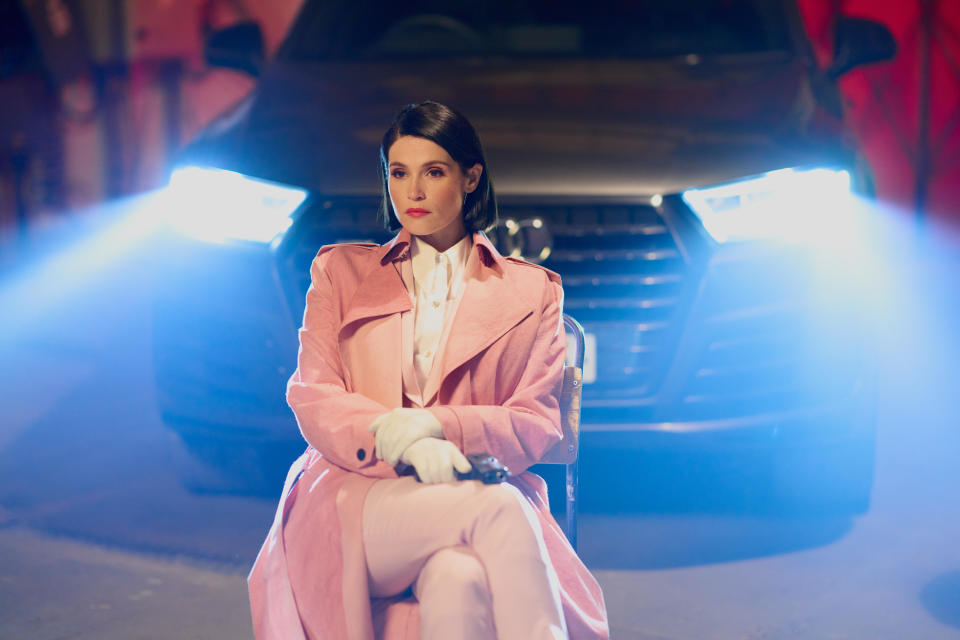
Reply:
x=435, y=282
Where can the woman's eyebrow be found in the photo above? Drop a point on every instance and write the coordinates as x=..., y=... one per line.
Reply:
x=425, y=164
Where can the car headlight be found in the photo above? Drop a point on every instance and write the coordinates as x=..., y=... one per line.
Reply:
x=217, y=205
x=789, y=204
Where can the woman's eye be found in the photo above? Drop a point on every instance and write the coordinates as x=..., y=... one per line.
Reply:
x=397, y=173
x=435, y=173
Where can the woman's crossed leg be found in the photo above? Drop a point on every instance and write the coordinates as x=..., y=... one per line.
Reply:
x=473, y=553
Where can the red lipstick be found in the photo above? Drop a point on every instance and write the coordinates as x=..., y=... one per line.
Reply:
x=417, y=213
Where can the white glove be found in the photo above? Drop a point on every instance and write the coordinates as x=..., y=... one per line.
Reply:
x=435, y=460
x=398, y=429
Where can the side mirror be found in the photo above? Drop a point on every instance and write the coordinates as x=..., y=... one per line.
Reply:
x=237, y=47
x=858, y=41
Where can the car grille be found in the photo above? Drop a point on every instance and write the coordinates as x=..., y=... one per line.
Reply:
x=623, y=279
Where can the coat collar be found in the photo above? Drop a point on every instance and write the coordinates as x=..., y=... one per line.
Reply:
x=381, y=291
x=399, y=249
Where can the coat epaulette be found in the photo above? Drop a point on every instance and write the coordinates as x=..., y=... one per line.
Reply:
x=554, y=277
x=360, y=245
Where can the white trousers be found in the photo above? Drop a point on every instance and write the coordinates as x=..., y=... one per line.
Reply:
x=473, y=553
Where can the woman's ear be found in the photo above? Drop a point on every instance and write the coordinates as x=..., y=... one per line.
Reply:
x=472, y=176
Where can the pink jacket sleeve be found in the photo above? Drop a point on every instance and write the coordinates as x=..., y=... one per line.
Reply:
x=521, y=430
x=332, y=420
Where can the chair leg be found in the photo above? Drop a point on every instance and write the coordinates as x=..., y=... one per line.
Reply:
x=573, y=481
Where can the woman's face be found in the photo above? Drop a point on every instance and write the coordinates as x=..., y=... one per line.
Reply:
x=427, y=189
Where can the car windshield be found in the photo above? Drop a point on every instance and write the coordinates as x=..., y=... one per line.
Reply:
x=535, y=28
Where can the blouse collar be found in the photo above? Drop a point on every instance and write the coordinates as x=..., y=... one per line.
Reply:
x=424, y=258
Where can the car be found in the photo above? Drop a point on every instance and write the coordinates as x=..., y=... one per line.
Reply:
x=681, y=165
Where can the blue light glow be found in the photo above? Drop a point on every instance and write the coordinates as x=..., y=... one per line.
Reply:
x=93, y=243
x=790, y=204
x=215, y=205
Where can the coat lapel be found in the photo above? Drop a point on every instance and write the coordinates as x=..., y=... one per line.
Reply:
x=370, y=334
x=490, y=307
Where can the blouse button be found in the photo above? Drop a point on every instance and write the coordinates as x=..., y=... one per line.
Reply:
x=361, y=454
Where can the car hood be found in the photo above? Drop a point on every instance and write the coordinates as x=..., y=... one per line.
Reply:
x=548, y=127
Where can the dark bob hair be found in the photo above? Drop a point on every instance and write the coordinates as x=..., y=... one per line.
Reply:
x=449, y=129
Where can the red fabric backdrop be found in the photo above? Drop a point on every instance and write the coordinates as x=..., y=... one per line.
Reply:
x=883, y=101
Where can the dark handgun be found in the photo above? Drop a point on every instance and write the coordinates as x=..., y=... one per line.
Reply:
x=486, y=469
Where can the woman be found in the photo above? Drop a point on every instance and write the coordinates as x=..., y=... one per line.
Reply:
x=411, y=355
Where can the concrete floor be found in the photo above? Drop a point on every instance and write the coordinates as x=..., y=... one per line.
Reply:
x=54, y=587
x=870, y=585
x=98, y=540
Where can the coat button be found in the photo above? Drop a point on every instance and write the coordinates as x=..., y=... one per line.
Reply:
x=361, y=454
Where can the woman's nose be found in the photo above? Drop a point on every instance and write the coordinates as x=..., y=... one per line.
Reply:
x=415, y=191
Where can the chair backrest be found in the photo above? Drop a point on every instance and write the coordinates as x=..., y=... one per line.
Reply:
x=565, y=451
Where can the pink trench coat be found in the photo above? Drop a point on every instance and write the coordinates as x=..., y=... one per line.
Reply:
x=495, y=391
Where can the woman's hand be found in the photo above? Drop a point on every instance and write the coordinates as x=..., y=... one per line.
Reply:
x=398, y=429
x=435, y=460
